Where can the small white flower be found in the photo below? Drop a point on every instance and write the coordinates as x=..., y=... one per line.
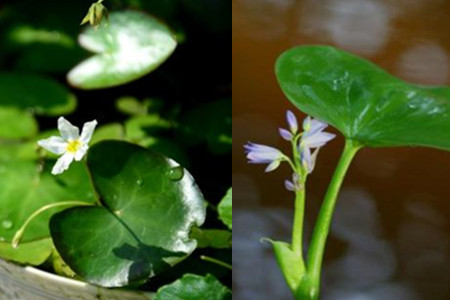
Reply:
x=70, y=145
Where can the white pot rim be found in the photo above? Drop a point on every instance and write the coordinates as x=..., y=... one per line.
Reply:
x=35, y=279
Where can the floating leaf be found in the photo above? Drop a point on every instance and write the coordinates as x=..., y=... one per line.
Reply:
x=38, y=94
x=129, y=46
x=226, y=209
x=150, y=204
x=23, y=190
x=16, y=124
x=361, y=100
x=194, y=287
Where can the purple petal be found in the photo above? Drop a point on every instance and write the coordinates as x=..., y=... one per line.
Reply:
x=289, y=185
x=292, y=121
x=317, y=126
x=261, y=154
x=317, y=140
x=285, y=134
x=305, y=157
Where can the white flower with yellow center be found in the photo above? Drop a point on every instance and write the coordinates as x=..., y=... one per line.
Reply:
x=70, y=145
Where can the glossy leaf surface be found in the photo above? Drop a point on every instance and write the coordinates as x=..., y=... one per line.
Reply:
x=130, y=45
x=363, y=101
x=150, y=205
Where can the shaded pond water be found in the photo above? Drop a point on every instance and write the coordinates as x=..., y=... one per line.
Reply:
x=390, y=237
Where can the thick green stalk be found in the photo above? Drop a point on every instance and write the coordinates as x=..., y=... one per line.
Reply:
x=309, y=287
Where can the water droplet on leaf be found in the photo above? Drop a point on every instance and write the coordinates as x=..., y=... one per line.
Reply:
x=7, y=224
x=176, y=173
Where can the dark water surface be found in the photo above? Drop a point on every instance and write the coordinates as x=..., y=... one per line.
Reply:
x=390, y=238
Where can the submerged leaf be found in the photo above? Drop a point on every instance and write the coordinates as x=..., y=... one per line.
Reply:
x=364, y=102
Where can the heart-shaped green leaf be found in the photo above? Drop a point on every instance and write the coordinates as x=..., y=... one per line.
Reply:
x=194, y=287
x=130, y=45
x=361, y=100
x=23, y=190
x=150, y=205
x=225, y=209
x=38, y=94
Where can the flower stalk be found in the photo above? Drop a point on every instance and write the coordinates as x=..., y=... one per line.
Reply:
x=303, y=278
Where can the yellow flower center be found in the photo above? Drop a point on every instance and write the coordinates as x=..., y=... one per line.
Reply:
x=73, y=146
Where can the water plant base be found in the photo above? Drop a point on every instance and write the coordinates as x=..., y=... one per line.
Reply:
x=28, y=283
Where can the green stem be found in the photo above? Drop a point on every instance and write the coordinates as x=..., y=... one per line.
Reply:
x=299, y=210
x=217, y=262
x=19, y=234
x=297, y=229
x=321, y=230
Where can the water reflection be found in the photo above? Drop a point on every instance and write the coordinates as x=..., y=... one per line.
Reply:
x=361, y=26
x=366, y=268
x=256, y=274
x=425, y=63
x=265, y=19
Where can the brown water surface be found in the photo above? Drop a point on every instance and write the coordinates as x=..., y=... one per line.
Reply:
x=391, y=233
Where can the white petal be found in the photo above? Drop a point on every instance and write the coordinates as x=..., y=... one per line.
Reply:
x=67, y=130
x=63, y=163
x=88, y=130
x=54, y=144
x=81, y=152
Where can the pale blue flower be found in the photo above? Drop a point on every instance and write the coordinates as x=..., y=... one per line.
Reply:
x=313, y=138
x=308, y=159
x=293, y=126
x=262, y=154
x=293, y=185
x=285, y=134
